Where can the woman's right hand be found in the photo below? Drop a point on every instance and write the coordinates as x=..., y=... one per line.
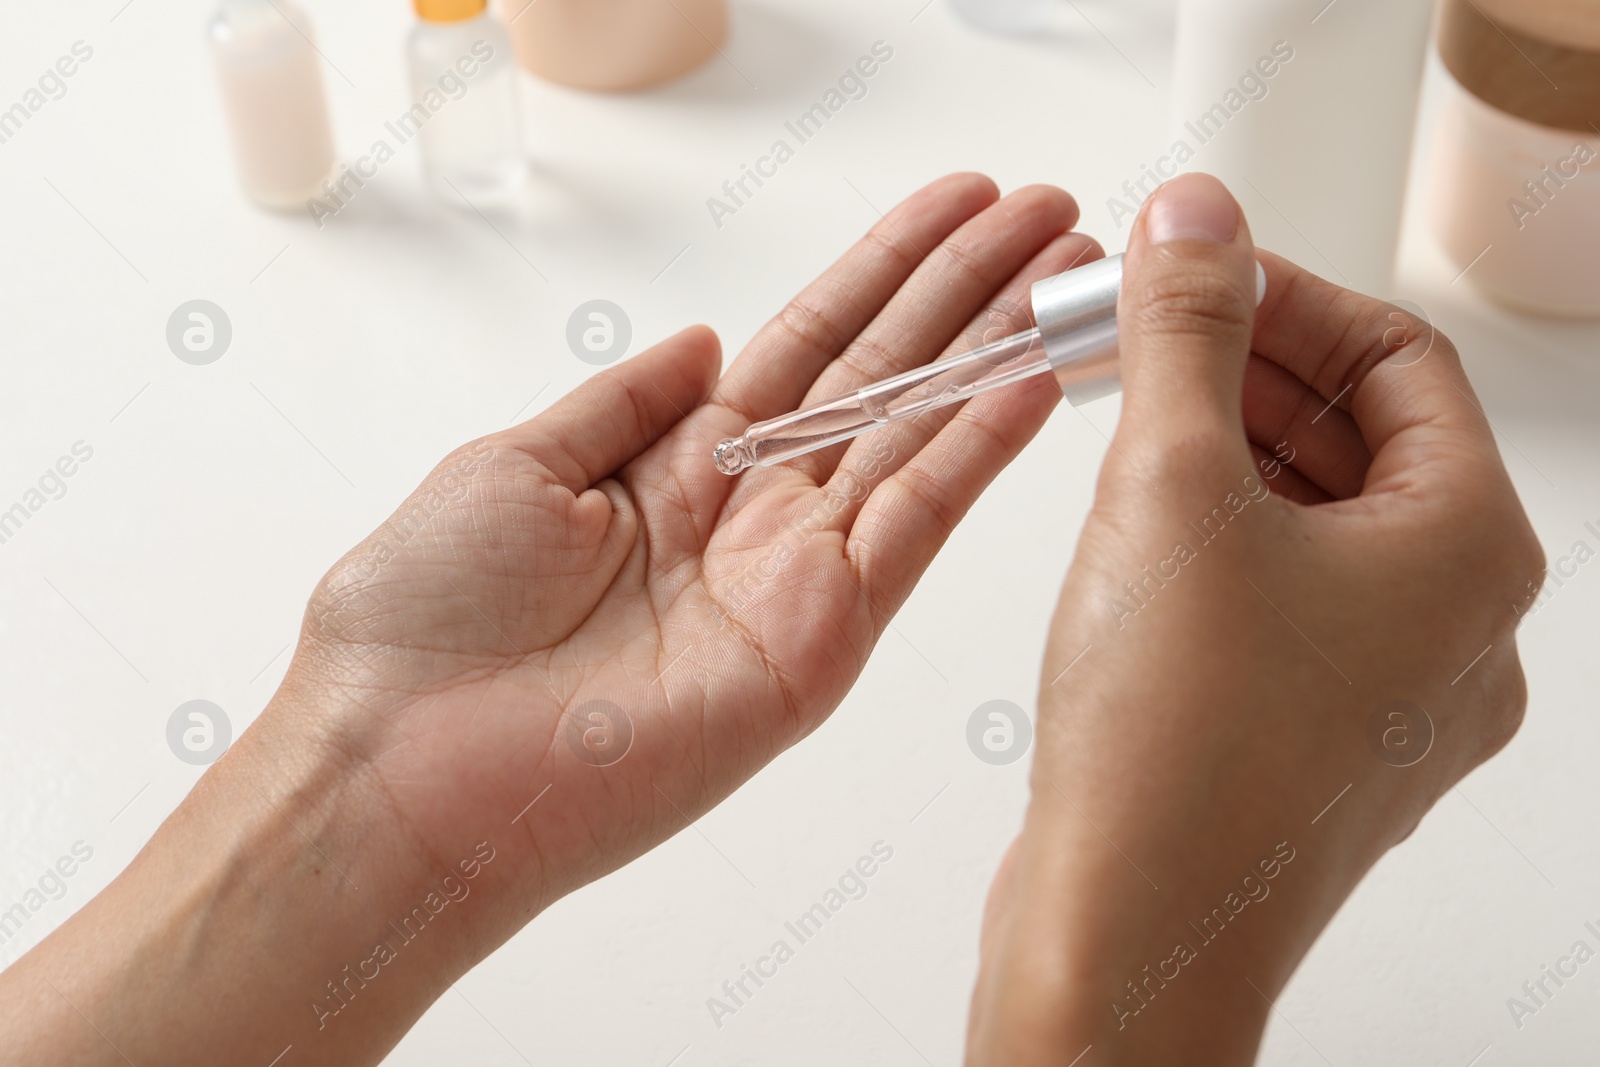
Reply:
x=1288, y=630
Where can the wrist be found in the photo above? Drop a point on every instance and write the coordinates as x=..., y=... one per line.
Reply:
x=324, y=831
x=1089, y=952
x=281, y=904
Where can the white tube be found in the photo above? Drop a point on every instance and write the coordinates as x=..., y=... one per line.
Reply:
x=1306, y=112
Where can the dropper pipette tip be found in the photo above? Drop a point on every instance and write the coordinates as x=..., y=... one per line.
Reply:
x=732, y=455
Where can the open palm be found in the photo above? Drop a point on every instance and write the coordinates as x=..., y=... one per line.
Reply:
x=583, y=612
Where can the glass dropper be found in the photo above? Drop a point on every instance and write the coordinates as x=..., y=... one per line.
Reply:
x=1076, y=339
x=948, y=381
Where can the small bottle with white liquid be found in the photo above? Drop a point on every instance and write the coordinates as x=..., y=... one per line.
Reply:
x=464, y=102
x=270, y=77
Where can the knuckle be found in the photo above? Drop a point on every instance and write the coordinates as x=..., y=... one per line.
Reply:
x=1500, y=544
x=809, y=324
x=866, y=358
x=1193, y=303
x=1383, y=332
x=1403, y=329
x=934, y=498
x=963, y=262
x=1530, y=558
x=886, y=240
x=1525, y=568
x=1508, y=706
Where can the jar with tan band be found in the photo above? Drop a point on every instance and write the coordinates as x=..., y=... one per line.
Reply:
x=614, y=45
x=1515, y=197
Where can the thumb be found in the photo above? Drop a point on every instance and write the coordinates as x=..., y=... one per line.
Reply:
x=1185, y=316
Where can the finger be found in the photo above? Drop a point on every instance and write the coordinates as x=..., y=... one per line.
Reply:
x=941, y=297
x=1285, y=481
x=1423, y=419
x=1185, y=316
x=778, y=366
x=874, y=457
x=1299, y=429
x=1326, y=335
x=949, y=287
x=900, y=506
x=1400, y=379
x=908, y=518
x=590, y=433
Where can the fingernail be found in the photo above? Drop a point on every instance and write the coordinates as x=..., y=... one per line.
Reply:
x=1192, y=207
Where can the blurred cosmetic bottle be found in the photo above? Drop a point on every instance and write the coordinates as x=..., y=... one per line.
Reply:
x=614, y=45
x=464, y=102
x=270, y=78
x=1307, y=115
x=1515, y=188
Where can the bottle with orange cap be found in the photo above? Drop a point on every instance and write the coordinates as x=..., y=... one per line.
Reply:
x=464, y=110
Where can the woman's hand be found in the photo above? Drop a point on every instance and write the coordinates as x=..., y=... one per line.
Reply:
x=575, y=638
x=1289, y=628
x=585, y=603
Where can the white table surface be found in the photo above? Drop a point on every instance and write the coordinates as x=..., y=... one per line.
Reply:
x=177, y=564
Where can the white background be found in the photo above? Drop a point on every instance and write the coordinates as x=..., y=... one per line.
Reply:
x=177, y=565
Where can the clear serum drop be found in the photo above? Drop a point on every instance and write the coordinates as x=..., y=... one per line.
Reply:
x=464, y=103
x=270, y=79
